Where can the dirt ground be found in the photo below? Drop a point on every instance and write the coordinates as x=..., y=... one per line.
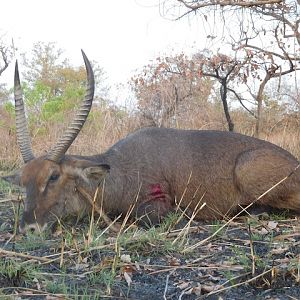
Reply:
x=247, y=258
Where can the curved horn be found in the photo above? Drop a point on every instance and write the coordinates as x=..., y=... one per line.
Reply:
x=74, y=128
x=23, y=137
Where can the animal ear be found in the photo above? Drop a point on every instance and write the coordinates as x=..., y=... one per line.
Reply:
x=96, y=172
x=14, y=178
x=88, y=170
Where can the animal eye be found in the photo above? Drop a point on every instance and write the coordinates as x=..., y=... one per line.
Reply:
x=54, y=177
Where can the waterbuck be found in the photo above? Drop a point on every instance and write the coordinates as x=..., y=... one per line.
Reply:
x=218, y=172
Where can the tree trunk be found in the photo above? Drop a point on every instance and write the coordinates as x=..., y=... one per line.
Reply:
x=259, y=99
x=223, y=91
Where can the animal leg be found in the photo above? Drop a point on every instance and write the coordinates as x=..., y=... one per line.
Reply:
x=258, y=171
x=156, y=205
x=152, y=212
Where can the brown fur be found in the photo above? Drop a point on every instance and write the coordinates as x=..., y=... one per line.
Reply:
x=159, y=167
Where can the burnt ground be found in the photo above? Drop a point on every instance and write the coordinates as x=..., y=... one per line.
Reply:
x=250, y=257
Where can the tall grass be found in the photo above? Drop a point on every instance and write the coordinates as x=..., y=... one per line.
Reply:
x=106, y=125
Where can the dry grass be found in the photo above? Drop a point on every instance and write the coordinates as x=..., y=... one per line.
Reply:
x=243, y=258
x=106, y=125
x=103, y=128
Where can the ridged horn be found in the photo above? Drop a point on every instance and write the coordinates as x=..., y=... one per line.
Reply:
x=23, y=137
x=74, y=128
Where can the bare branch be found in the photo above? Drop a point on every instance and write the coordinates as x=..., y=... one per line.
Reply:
x=193, y=5
x=5, y=59
x=241, y=102
x=259, y=49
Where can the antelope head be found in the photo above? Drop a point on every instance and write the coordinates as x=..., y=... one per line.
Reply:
x=50, y=181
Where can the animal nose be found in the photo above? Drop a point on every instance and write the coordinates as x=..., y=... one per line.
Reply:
x=32, y=228
x=29, y=223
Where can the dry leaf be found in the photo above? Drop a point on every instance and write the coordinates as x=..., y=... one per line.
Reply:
x=125, y=258
x=173, y=261
x=137, y=266
x=209, y=288
x=183, y=285
x=38, y=285
x=148, y=261
x=279, y=250
x=128, y=269
x=272, y=224
x=263, y=231
x=197, y=290
x=127, y=277
x=80, y=267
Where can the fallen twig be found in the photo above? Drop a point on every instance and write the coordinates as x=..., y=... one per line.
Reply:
x=17, y=254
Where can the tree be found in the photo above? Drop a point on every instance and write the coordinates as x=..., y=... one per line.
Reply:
x=45, y=60
x=46, y=65
x=264, y=34
x=52, y=86
x=6, y=51
x=5, y=54
x=169, y=89
x=224, y=69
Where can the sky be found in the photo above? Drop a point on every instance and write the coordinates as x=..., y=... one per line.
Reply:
x=121, y=35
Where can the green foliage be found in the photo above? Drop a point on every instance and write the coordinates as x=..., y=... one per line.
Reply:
x=104, y=277
x=294, y=264
x=9, y=108
x=55, y=287
x=52, y=88
x=56, y=107
x=169, y=221
x=15, y=273
x=7, y=188
x=279, y=215
x=241, y=257
x=33, y=241
x=216, y=225
x=42, y=106
x=36, y=96
x=148, y=241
